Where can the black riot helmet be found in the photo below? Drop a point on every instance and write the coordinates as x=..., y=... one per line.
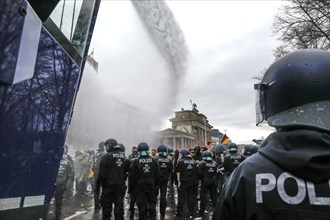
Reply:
x=232, y=148
x=207, y=155
x=111, y=144
x=143, y=149
x=170, y=151
x=162, y=150
x=184, y=153
x=122, y=147
x=295, y=91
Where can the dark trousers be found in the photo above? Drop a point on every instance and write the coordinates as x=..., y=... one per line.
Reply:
x=132, y=201
x=163, y=190
x=96, y=196
x=213, y=192
x=110, y=195
x=186, y=190
x=146, y=199
x=59, y=191
x=221, y=181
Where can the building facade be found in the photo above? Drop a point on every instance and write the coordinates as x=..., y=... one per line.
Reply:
x=189, y=128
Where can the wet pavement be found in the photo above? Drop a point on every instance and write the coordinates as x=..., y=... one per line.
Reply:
x=82, y=207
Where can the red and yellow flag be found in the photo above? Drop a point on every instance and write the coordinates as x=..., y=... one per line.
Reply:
x=225, y=139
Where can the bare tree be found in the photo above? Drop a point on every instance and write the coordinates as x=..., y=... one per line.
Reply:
x=303, y=24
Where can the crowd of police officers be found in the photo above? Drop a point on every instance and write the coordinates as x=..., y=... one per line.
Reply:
x=198, y=175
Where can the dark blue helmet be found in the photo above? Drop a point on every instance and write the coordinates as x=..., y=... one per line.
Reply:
x=111, y=144
x=170, y=151
x=232, y=147
x=162, y=150
x=294, y=91
x=143, y=149
x=207, y=155
x=122, y=147
x=184, y=152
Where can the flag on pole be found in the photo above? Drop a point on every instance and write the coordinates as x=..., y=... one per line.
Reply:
x=225, y=139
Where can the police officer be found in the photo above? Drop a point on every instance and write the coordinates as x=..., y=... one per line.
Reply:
x=288, y=178
x=132, y=190
x=217, y=154
x=166, y=166
x=96, y=165
x=207, y=170
x=111, y=177
x=187, y=169
x=232, y=159
x=144, y=177
x=63, y=175
x=70, y=185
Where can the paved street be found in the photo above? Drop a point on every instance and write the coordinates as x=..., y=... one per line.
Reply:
x=82, y=207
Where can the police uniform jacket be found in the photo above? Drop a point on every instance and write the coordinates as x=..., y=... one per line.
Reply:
x=207, y=171
x=232, y=160
x=289, y=178
x=113, y=169
x=144, y=172
x=165, y=166
x=188, y=170
x=64, y=171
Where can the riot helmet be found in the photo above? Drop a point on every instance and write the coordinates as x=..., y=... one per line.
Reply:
x=143, y=149
x=207, y=155
x=162, y=150
x=295, y=91
x=101, y=147
x=122, y=147
x=111, y=144
x=170, y=151
x=232, y=148
x=184, y=153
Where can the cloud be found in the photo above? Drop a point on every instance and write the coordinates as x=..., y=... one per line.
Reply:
x=225, y=55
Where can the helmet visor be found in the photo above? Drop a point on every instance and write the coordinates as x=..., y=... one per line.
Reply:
x=316, y=114
x=260, y=102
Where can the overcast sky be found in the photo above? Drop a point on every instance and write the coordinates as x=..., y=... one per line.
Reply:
x=228, y=41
